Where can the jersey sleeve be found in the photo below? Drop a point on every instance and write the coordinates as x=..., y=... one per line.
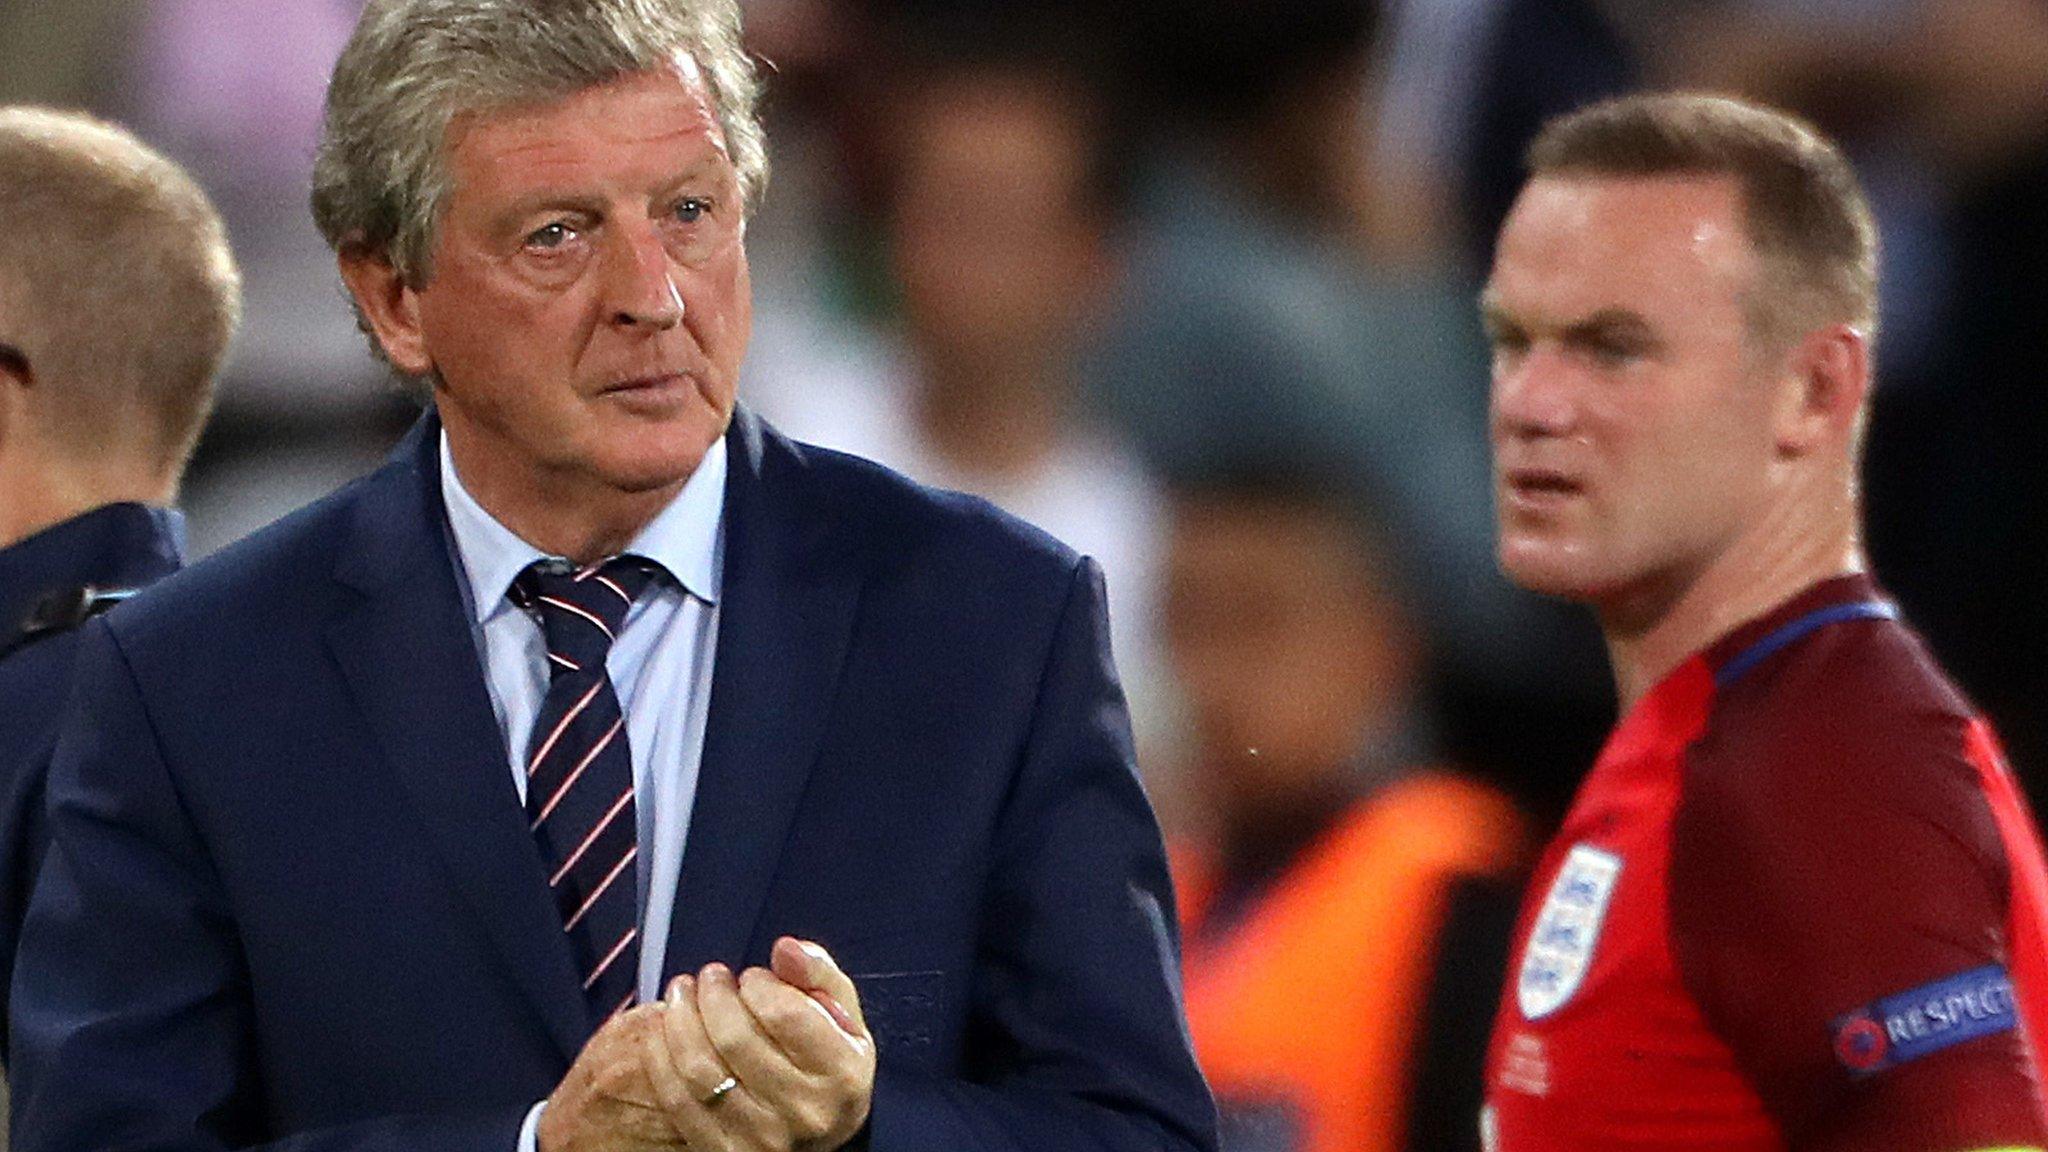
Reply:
x=1836, y=876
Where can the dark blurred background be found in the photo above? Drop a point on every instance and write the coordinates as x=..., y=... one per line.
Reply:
x=1070, y=254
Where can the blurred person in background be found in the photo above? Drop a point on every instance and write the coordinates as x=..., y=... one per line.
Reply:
x=1252, y=322
x=1347, y=904
x=1244, y=325
x=1006, y=196
x=118, y=299
x=1466, y=84
x=1799, y=902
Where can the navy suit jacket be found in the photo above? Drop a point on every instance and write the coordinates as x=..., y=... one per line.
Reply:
x=117, y=546
x=291, y=900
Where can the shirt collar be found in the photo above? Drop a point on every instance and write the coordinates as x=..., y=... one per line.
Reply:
x=1845, y=588
x=113, y=546
x=687, y=537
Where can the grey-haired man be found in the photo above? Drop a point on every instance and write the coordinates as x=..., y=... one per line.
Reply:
x=443, y=814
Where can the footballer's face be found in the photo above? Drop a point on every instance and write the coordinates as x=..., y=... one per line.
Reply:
x=1631, y=422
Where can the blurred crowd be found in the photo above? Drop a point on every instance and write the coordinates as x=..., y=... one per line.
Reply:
x=1192, y=286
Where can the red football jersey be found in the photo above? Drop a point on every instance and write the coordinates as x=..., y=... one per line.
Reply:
x=1798, y=903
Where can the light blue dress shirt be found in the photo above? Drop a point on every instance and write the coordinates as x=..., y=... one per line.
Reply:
x=660, y=666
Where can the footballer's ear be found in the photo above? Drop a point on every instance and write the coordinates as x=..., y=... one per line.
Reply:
x=1827, y=384
x=389, y=305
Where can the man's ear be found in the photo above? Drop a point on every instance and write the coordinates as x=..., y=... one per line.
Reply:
x=1828, y=381
x=10, y=398
x=17, y=377
x=391, y=306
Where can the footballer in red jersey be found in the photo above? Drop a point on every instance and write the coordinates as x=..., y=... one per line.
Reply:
x=1798, y=903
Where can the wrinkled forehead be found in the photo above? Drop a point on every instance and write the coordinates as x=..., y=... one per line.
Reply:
x=531, y=98
x=1575, y=244
x=645, y=127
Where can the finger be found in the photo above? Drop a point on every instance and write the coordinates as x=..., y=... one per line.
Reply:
x=658, y=1063
x=707, y=1122
x=801, y=1027
x=841, y=1018
x=691, y=1053
x=828, y=1096
x=808, y=966
x=764, y=1068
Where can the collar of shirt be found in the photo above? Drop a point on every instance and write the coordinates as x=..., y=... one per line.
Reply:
x=684, y=537
x=113, y=546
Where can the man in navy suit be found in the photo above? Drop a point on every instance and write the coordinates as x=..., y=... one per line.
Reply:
x=118, y=298
x=606, y=771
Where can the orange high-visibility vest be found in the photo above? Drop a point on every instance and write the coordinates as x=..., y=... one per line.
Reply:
x=1312, y=1003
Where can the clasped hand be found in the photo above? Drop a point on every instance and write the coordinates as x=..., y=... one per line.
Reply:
x=771, y=1059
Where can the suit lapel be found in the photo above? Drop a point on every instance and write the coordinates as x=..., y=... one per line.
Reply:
x=785, y=615
x=410, y=660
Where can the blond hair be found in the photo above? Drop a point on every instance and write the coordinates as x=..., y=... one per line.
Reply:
x=116, y=282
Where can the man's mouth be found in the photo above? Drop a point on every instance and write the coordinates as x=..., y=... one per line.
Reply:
x=650, y=382
x=1536, y=488
x=660, y=395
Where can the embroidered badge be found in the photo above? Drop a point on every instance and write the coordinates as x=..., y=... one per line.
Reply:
x=1560, y=946
x=1926, y=1019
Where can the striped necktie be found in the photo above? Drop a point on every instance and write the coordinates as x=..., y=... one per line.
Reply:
x=579, y=770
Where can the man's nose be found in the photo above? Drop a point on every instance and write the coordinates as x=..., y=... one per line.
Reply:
x=1533, y=394
x=641, y=281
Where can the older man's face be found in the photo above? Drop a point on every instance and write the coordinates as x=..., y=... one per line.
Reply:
x=589, y=303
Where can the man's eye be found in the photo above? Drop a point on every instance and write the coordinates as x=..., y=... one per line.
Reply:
x=692, y=209
x=1508, y=345
x=550, y=236
x=1616, y=352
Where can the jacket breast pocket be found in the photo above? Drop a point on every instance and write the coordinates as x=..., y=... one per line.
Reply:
x=904, y=1013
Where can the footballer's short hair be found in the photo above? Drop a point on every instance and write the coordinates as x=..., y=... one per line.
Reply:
x=1806, y=215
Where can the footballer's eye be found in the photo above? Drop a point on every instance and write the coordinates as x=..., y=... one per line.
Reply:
x=1616, y=350
x=549, y=236
x=1508, y=341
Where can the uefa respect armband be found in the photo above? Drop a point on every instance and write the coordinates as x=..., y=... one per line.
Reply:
x=1924, y=1020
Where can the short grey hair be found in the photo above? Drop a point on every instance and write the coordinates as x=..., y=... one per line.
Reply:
x=380, y=179
x=116, y=284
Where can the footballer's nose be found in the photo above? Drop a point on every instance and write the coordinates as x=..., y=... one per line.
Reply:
x=1533, y=394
